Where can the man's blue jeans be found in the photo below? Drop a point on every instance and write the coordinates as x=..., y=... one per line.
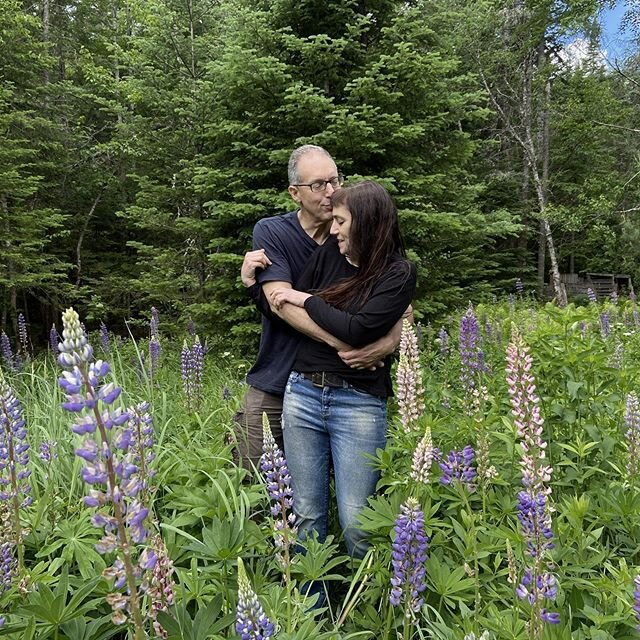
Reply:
x=324, y=424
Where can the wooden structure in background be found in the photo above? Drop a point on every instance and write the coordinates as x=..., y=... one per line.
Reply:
x=603, y=284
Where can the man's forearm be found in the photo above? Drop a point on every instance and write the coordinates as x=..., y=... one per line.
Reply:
x=299, y=319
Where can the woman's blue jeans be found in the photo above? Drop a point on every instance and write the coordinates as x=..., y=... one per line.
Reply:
x=325, y=424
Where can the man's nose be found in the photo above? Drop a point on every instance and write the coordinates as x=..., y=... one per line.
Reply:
x=329, y=189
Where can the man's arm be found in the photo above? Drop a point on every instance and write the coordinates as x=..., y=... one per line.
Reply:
x=299, y=319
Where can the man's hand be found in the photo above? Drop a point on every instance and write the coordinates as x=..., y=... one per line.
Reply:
x=253, y=260
x=279, y=297
x=369, y=357
x=372, y=356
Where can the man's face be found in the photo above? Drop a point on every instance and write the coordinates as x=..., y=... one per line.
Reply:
x=314, y=166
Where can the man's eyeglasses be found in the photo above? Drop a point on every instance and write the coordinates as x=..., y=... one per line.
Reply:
x=321, y=185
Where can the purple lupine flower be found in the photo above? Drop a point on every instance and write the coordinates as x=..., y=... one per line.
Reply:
x=109, y=467
x=154, y=323
x=519, y=287
x=535, y=521
x=7, y=352
x=192, y=370
x=14, y=454
x=23, y=335
x=591, y=294
x=15, y=490
x=458, y=466
x=409, y=557
x=632, y=422
x=409, y=379
x=423, y=458
x=138, y=437
x=251, y=621
x=278, y=481
x=605, y=328
x=226, y=394
x=54, y=339
x=48, y=451
x=185, y=369
x=534, y=512
x=7, y=566
x=443, y=338
x=191, y=328
x=632, y=296
x=104, y=338
x=471, y=357
x=154, y=355
x=636, y=600
x=511, y=301
x=614, y=297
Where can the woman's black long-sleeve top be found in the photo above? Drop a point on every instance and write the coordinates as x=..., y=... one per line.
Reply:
x=357, y=325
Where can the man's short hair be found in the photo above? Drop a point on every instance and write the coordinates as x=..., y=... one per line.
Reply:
x=294, y=158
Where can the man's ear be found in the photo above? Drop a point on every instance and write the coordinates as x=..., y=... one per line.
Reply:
x=294, y=193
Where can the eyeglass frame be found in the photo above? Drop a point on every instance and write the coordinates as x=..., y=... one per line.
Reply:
x=339, y=178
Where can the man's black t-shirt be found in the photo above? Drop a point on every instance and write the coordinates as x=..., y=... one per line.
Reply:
x=289, y=248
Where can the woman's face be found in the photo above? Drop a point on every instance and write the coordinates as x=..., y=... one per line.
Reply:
x=341, y=228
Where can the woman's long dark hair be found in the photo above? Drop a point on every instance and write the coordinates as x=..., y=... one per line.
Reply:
x=374, y=238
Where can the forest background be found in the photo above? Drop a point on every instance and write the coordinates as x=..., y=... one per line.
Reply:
x=142, y=139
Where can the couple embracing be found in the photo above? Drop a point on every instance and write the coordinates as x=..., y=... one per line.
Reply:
x=333, y=283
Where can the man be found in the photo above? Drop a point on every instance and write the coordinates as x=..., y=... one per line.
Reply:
x=281, y=247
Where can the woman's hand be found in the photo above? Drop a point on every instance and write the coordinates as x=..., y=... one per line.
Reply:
x=279, y=297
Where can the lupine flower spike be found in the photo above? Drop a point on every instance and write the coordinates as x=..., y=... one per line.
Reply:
x=278, y=479
x=161, y=590
x=111, y=468
x=251, y=621
x=443, y=338
x=409, y=378
x=632, y=423
x=15, y=490
x=408, y=558
x=538, y=584
x=192, y=370
x=154, y=355
x=7, y=352
x=423, y=457
x=458, y=467
x=104, y=338
x=54, y=339
x=23, y=335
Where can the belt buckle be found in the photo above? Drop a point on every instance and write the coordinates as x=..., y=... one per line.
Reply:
x=317, y=379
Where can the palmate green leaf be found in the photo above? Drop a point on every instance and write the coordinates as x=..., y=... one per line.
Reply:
x=85, y=629
x=207, y=622
x=449, y=584
x=75, y=540
x=380, y=514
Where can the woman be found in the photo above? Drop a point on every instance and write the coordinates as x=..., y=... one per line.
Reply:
x=359, y=285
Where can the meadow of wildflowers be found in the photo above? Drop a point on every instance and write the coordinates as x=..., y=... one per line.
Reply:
x=508, y=505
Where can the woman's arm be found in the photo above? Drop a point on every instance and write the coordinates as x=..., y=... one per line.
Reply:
x=388, y=301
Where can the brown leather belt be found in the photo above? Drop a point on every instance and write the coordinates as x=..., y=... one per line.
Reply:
x=324, y=379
